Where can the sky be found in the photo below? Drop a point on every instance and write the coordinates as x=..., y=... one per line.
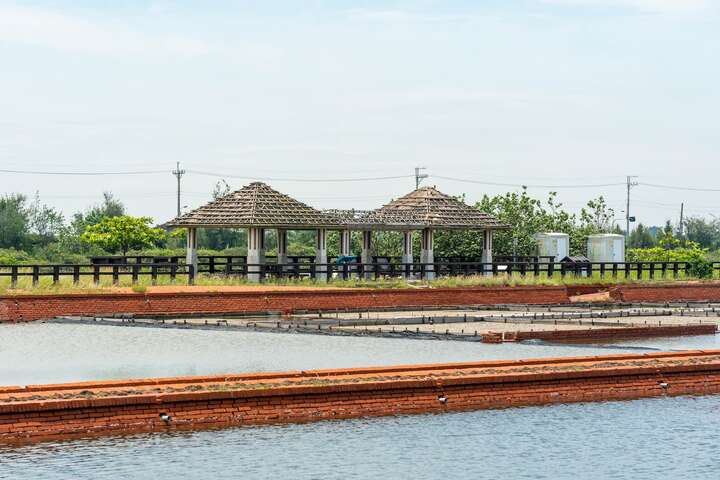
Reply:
x=564, y=95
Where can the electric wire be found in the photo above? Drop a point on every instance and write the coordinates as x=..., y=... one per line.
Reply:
x=300, y=180
x=674, y=187
x=496, y=184
x=85, y=174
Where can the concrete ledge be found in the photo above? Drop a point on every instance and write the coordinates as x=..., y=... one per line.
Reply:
x=40, y=412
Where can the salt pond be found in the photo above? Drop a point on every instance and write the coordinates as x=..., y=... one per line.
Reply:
x=644, y=439
x=50, y=353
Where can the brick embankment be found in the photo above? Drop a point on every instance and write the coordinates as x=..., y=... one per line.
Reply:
x=41, y=412
x=667, y=292
x=19, y=308
x=600, y=334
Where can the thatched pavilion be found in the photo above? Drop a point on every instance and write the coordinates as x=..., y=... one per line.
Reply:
x=257, y=207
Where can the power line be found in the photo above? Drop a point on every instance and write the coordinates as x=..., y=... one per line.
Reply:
x=178, y=172
x=419, y=177
x=299, y=180
x=130, y=195
x=630, y=183
x=674, y=187
x=495, y=184
x=43, y=172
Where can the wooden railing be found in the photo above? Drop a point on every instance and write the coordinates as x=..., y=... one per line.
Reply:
x=133, y=271
x=638, y=270
x=330, y=271
x=218, y=263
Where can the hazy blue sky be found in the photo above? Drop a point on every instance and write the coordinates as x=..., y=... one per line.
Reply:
x=529, y=91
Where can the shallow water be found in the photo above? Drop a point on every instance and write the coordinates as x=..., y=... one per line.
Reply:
x=49, y=353
x=667, y=438
x=653, y=439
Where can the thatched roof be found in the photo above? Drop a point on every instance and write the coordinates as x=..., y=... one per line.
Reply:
x=428, y=207
x=258, y=205
x=255, y=205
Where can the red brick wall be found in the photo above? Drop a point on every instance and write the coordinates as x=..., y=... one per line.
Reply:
x=38, y=419
x=667, y=292
x=625, y=332
x=18, y=308
x=35, y=307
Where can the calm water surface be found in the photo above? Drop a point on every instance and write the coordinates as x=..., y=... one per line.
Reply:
x=669, y=438
x=46, y=353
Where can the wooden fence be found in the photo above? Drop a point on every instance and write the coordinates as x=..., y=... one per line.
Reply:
x=376, y=270
x=134, y=271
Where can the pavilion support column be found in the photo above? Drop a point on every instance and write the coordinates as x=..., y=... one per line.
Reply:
x=487, y=253
x=255, y=254
x=321, y=266
x=345, y=242
x=407, y=257
x=427, y=256
x=366, y=253
x=282, y=257
x=191, y=257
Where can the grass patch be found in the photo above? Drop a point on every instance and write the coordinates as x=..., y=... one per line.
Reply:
x=86, y=285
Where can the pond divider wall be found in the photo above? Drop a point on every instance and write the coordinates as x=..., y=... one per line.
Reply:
x=19, y=308
x=40, y=412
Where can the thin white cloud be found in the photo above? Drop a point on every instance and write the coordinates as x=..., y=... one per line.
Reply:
x=298, y=148
x=424, y=97
x=652, y=6
x=404, y=16
x=50, y=29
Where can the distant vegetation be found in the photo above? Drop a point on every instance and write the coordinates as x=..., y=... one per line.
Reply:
x=33, y=232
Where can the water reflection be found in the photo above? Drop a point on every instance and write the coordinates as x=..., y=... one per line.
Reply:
x=668, y=438
x=45, y=353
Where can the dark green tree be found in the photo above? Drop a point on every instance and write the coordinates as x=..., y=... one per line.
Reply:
x=44, y=222
x=14, y=222
x=702, y=231
x=641, y=238
x=110, y=207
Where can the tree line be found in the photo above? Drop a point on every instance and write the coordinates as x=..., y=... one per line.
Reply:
x=31, y=231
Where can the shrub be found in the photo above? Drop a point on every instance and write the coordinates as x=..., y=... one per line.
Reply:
x=700, y=268
x=10, y=256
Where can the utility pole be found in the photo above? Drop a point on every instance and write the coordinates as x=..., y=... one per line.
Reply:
x=628, y=218
x=178, y=173
x=682, y=220
x=419, y=176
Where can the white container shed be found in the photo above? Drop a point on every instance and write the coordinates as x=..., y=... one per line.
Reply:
x=553, y=245
x=606, y=248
